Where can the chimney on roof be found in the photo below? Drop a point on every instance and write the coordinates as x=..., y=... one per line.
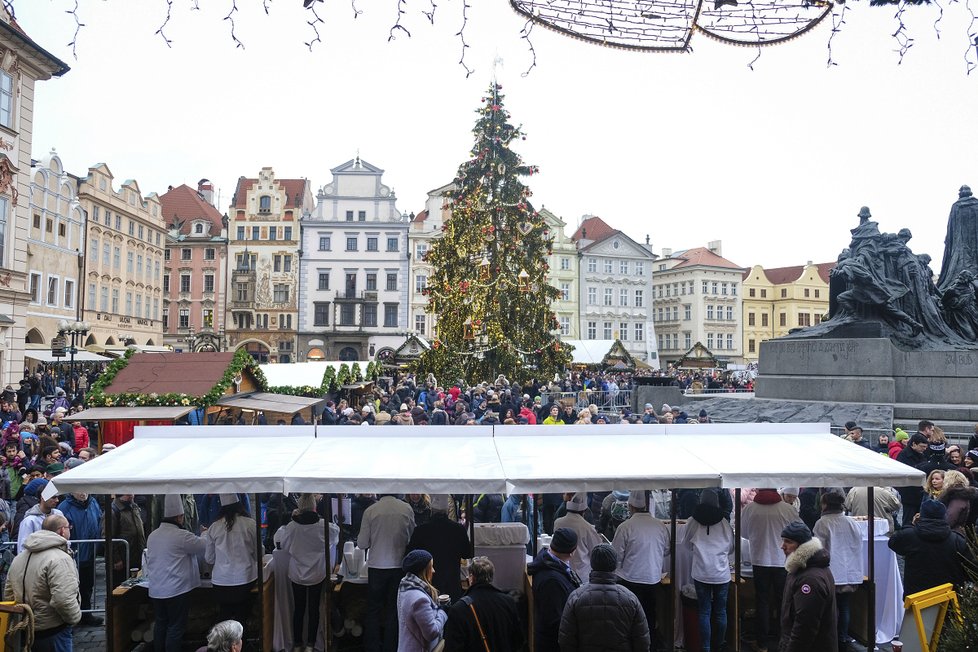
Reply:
x=715, y=246
x=808, y=263
x=584, y=234
x=666, y=252
x=206, y=190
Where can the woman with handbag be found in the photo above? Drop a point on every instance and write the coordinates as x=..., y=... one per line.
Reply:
x=420, y=619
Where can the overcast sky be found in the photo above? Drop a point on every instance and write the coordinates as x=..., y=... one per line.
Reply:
x=774, y=161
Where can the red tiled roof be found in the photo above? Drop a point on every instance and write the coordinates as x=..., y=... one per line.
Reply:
x=703, y=256
x=422, y=216
x=596, y=228
x=295, y=190
x=186, y=204
x=782, y=275
x=193, y=374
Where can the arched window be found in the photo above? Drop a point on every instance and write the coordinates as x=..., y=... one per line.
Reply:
x=349, y=354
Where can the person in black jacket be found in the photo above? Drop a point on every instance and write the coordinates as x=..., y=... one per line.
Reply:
x=912, y=455
x=553, y=581
x=602, y=616
x=808, y=613
x=485, y=618
x=448, y=544
x=933, y=553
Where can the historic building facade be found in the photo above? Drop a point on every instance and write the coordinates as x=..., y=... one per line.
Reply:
x=195, y=269
x=263, y=260
x=354, y=268
x=22, y=63
x=697, y=299
x=55, y=251
x=564, y=275
x=424, y=229
x=616, y=289
x=123, y=269
x=778, y=299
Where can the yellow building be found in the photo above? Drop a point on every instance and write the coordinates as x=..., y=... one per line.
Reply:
x=780, y=299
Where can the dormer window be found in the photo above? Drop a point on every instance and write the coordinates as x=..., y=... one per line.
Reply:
x=199, y=228
x=264, y=204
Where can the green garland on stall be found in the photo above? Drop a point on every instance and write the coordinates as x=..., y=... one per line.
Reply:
x=305, y=390
x=241, y=361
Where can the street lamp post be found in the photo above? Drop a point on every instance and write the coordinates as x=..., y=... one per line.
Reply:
x=77, y=331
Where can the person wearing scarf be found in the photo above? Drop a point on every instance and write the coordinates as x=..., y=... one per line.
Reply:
x=420, y=620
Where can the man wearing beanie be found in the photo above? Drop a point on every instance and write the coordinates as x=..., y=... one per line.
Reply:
x=934, y=554
x=587, y=536
x=553, y=581
x=808, y=621
x=761, y=524
x=842, y=539
x=603, y=615
x=641, y=543
x=447, y=542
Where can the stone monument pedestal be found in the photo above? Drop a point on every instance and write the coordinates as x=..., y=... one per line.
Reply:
x=919, y=384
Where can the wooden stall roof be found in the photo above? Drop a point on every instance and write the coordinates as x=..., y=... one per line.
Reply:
x=125, y=413
x=193, y=374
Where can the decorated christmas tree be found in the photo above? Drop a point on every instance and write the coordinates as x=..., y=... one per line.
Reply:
x=489, y=291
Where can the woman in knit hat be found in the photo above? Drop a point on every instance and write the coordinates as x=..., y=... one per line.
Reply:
x=420, y=620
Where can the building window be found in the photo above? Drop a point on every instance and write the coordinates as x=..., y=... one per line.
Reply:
x=349, y=216
x=347, y=314
x=564, y=263
x=623, y=297
x=117, y=258
x=706, y=287
x=166, y=319
x=108, y=219
x=592, y=296
x=565, y=291
x=255, y=233
x=763, y=319
x=185, y=282
x=361, y=216
x=6, y=100
x=592, y=264
x=324, y=243
x=277, y=263
x=751, y=292
x=241, y=233
x=817, y=319
x=675, y=313
x=371, y=282
x=687, y=311
x=323, y=280
x=733, y=289
x=639, y=331
x=639, y=298
x=35, y=287
x=709, y=312
x=139, y=305
x=104, y=299
x=668, y=290
x=392, y=244
x=607, y=267
x=287, y=235
x=320, y=314
x=106, y=254
x=730, y=345
x=784, y=293
x=709, y=341
x=391, y=282
x=118, y=222
x=69, y=294
x=156, y=307
x=688, y=340
x=750, y=319
x=115, y=301
x=62, y=229
x=351, y=243
x=132, y=228
x=419, y=324
x=139, y=265
x=751, y=346
x=390, y=315
x=807, y=293
x=273, y=233
x=608, y=292
x=208, y=282
x=420, y=283
x=675, y=340
x=184, y=318
x=623, y=330
x=763, y=293
x=130, y=261
x=639, y=268
x=816, y=294
x=93, y=250
x=783, y=319
x=606, y=330
x=209, y=253
x=592, y=330
x=166, y=284
x=370, y=315
x=371, y=244
x=723, y=288
x=280, y=293
x=623, y=267
x=565, y=325
x=166, y=254
x=729, y=313
x=241, y=292
x=715, y=288
x=421, y=249
x=264, y=204
x=804, y=319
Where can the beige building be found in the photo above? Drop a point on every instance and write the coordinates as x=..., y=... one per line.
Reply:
x=564, y=275
x=425, y=228
x=55, y=252
x=697, y=299
x=22, y=63
x=263, y=256
x=779, y=299
x=123, y=294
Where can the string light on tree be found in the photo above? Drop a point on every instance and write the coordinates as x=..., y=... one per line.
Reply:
x=489, y=285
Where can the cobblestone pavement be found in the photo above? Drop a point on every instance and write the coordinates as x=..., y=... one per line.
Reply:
x=92, y=639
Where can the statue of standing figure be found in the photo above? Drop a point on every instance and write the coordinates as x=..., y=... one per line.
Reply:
x=961, y=243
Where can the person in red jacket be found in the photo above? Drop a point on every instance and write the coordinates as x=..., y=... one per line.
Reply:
x=81, y=436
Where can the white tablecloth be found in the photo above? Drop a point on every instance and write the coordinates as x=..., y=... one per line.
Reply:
x=282, y=631
x=881, y=527
x=889, y=591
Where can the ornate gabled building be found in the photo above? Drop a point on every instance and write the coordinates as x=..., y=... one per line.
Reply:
x=123, y=292
x=55, y=251
x=778, y=299
x=424, y=229
x=354, y=269
x=697, y=299
x=22, y=63
x=263, y=260
x=616, y=289
x=195, y=271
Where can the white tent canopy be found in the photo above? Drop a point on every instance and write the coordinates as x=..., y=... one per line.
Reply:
x=409, y=459
x=299, y=374
x=589, y=351
x=81, y=355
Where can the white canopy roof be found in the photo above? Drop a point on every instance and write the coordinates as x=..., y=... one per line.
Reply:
x=465, y=459
x=298, y=374
x=44, y=355
x=589, y=351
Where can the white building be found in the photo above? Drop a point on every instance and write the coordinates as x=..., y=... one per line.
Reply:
x=354, y=268
x=425, y=228
x=697, y=299
x=564, y=274
x=616, y=289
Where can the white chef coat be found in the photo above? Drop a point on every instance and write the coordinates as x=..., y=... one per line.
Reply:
x=171, y=560
x=385, y=530
x=306, y=545
x=587, y=538
x=841, y=536
x=762, y=525
x=711, y=546
x=232, y=553
x=642, y=543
